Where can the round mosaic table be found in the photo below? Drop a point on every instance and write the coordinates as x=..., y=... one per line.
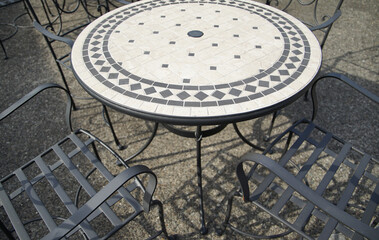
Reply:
x=196, y=62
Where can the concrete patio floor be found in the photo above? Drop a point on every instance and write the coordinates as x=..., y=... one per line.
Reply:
x=352, y=49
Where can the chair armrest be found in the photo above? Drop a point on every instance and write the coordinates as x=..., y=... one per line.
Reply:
x=48, y=34
x=345, y=80
x=32, y=94
x=327, y=23
x=101, y=196
x=305, y=191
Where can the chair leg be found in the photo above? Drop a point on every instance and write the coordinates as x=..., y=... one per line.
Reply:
x=110, y=125
x=268, y=136
x=161, y=218
x=306, y=96
x=221, y=230
x=5, y=52
x=6, y=231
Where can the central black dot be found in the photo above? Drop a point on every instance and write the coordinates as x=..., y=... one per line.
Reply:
x=195, y=33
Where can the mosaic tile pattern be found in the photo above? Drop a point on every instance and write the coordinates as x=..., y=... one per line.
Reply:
x=196, y=58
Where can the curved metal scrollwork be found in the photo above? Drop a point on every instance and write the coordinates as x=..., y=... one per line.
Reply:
x=318, y=17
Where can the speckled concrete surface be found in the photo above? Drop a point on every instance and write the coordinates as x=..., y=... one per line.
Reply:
x=352, y=49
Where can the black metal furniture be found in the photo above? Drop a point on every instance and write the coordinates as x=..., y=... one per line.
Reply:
x=341, y=199
x=40, y=200
x=55, y=16
x=144, y=60
x=13, y=27
x=66, y=62
x=320, y=20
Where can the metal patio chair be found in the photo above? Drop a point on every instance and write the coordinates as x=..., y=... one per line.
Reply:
x=64, y=19
x=320, y=186
x=66, y=62
x=320, y=21
x=67, y=190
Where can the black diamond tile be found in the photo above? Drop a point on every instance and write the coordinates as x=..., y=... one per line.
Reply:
x=213, y=68
x=237, y=56
x=105, y=69
x=96, y=55
x=235, y=92
x=294, y=59
x=214, y=44
x=219, y=95
x=201, y=96
x=99, y=62
x=172, y=42
x=95, y=43
x=186, y=80
x=150, y=90
x=296, y=39
x=135, y=86
x=250, y=88
x=191, y=54
x=216, y=26
x=113, y=76
x=258, y=46
x=292, y=33
x=297, y=45
x=95, y=49
x=97, y=37
x=183, y=95
x=131, y=41
x=283, y=72
x=290, y=66
x=146, y=52
x=297, y=52
x=123, y=81
x=264, y=84
x=236, y=35
x=275, y=78
x=164, y=65
x=255, y=28
x=101, y=31
x=166, y=93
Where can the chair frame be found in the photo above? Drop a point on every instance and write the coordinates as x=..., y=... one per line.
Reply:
x=98, y=203
x=324, y=27
x=334, y=216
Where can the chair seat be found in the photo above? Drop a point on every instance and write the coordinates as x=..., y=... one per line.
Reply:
x=317, y=186
x=66, y=164
x=67, y=190
x=356, y=192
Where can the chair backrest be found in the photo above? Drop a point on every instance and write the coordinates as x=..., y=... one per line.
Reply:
x=67, y=189
x=319, y=16
x=58, y=20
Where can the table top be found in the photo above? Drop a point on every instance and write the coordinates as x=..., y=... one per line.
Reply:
x=196, y=62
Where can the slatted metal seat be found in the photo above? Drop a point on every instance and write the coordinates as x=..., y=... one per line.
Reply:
x=321, y=185
x=67, y=190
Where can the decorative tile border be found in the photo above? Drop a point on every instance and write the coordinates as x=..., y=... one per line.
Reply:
x=245, y=55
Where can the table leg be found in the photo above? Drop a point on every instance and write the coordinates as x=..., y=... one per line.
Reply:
x=110, y=125
x=198, y=136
